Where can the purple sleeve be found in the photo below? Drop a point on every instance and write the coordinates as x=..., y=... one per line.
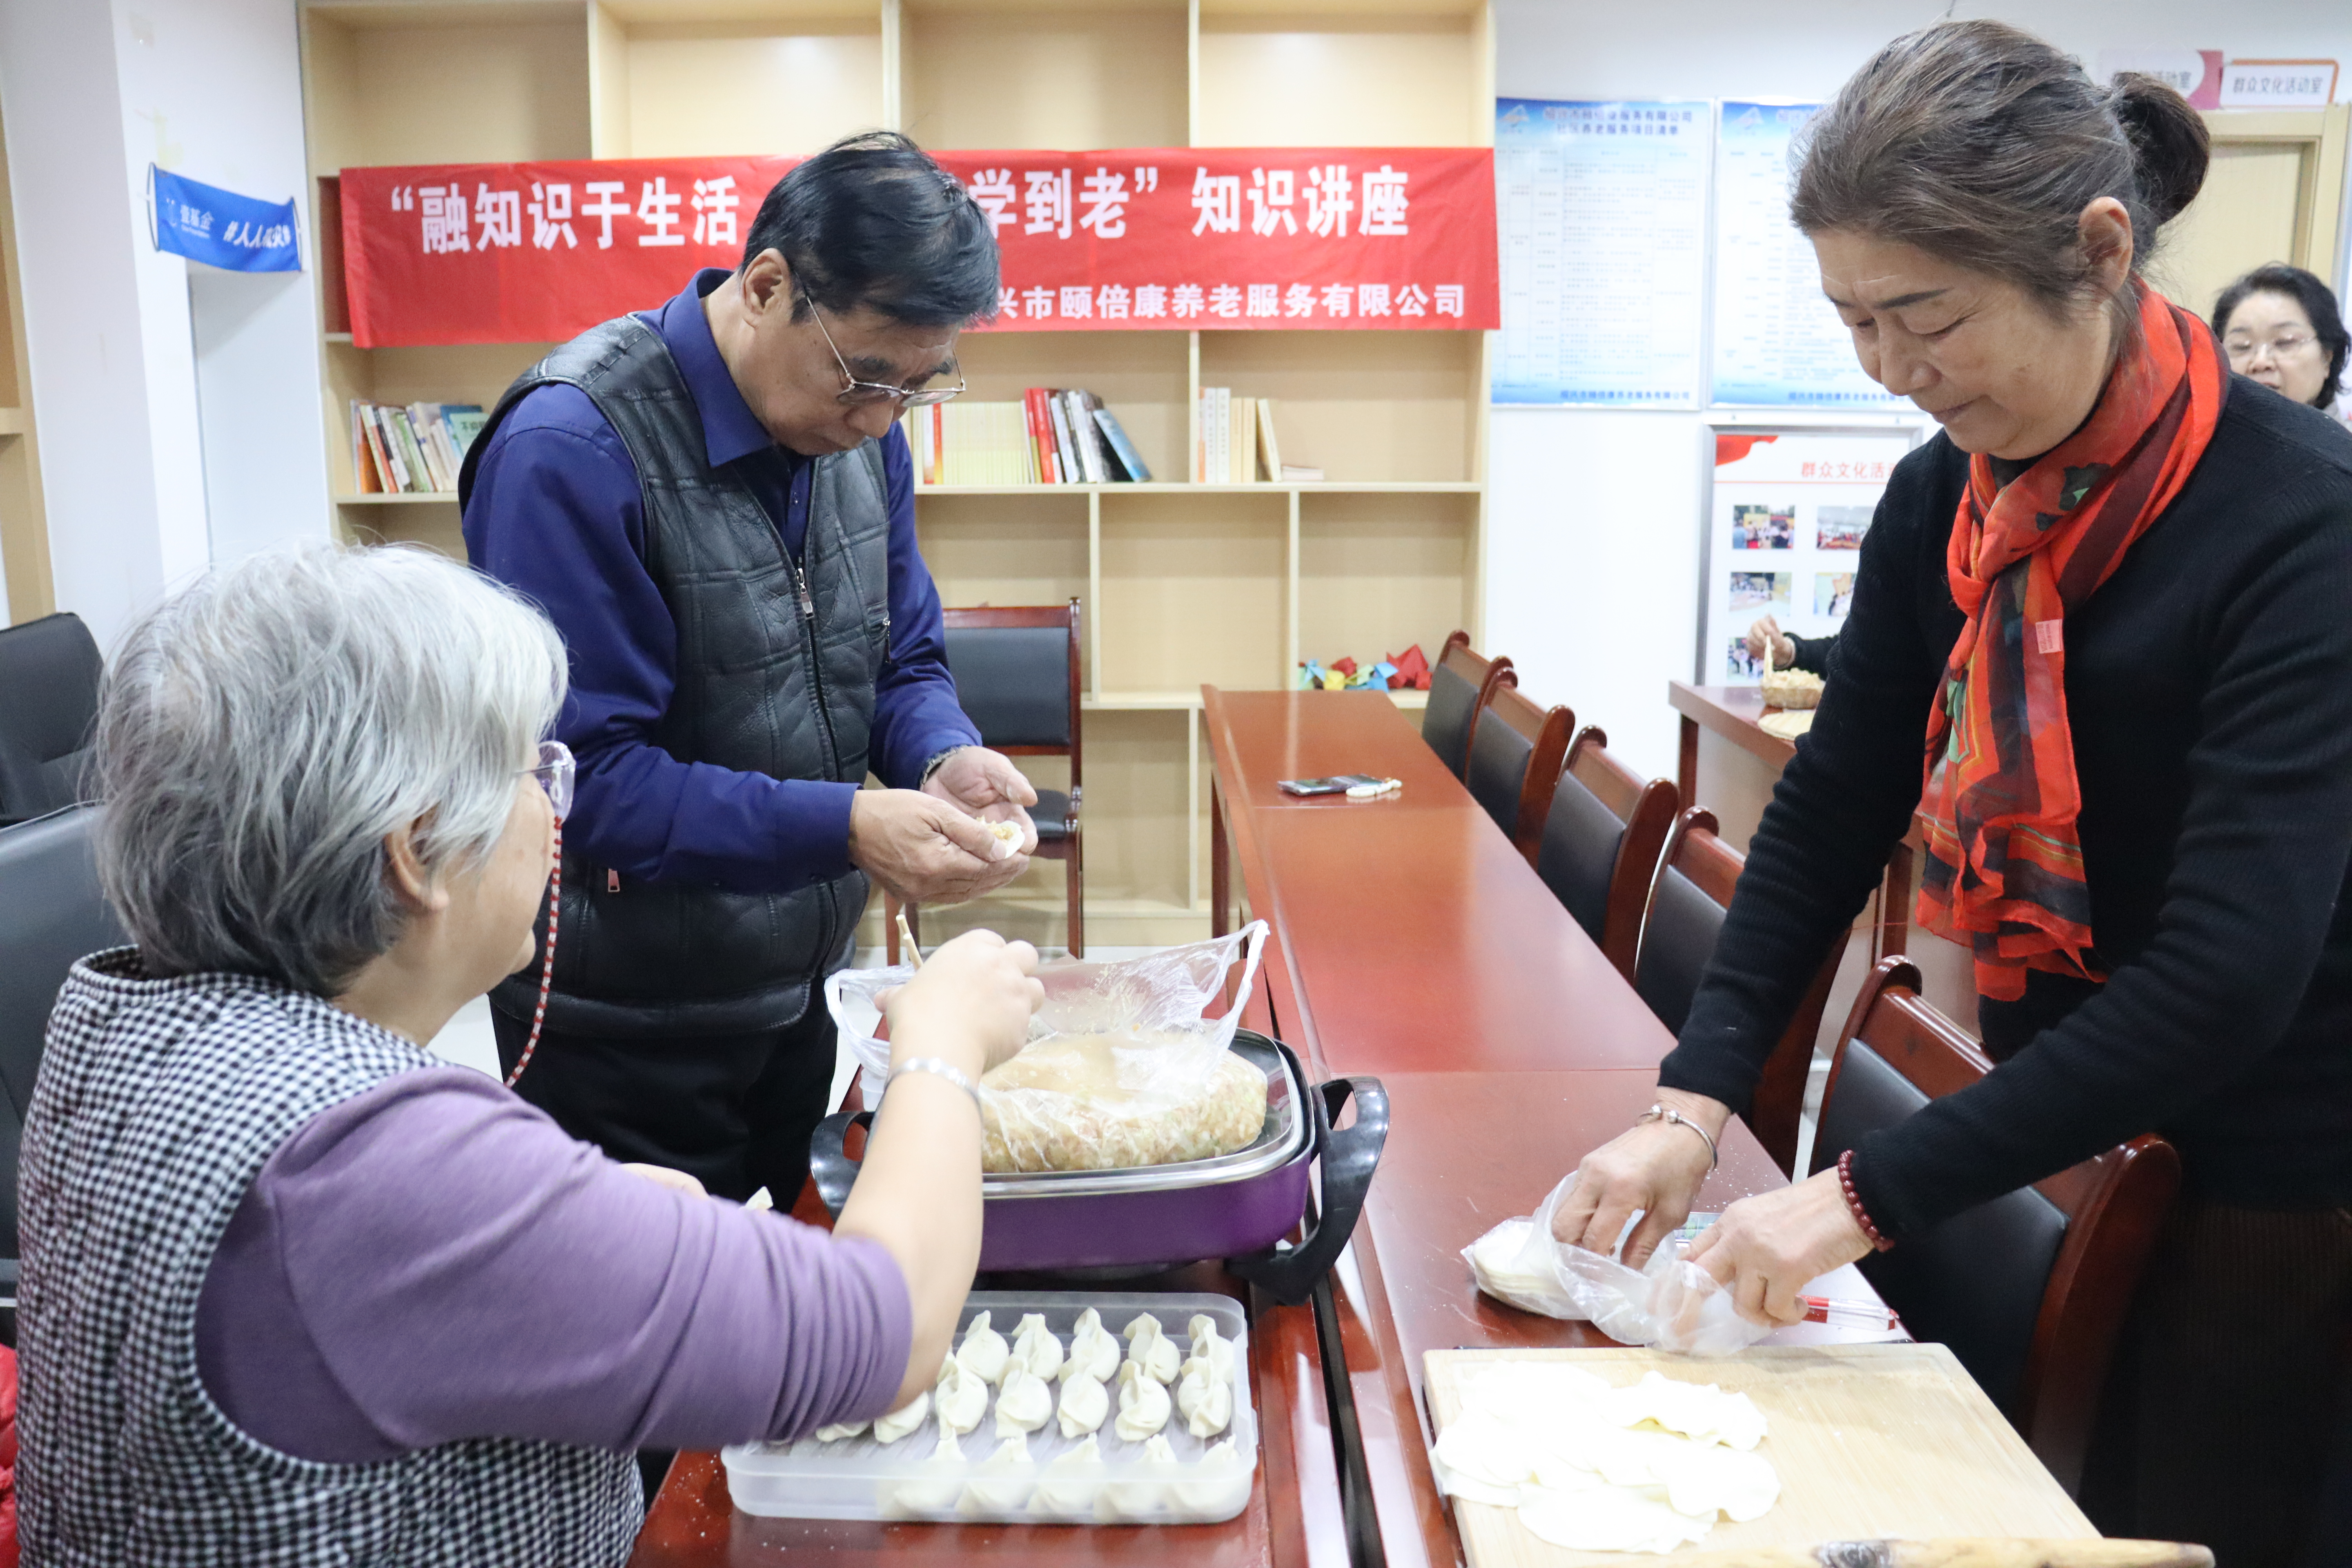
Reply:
x=435, y=1259
x=916, y=714
x=555, y=512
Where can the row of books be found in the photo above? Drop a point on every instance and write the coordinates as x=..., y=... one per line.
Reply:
x=1052, y=436
x=412, y=449
x=1237, y=443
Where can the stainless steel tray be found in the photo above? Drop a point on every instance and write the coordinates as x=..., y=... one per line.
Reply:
x=1280, y=1140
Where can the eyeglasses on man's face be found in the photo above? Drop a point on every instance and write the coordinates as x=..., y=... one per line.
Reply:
x=858, y=393
x=2281, y=346
x=554, y=771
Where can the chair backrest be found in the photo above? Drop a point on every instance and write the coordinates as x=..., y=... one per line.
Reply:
x=1513, y=747
x=52, y=914
x=49, y=671
x=1016, y=674
x=2029, y=1290
x=1601, y=828
x=1689, y=897
x=1458, y=684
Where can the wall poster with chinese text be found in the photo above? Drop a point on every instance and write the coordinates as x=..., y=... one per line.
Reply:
x=1786, y=518
x=1778, y=343
x=1400, y=238
x=1602, y=208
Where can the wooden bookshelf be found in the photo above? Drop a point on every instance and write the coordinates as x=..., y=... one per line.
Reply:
x=24, y=529
x=1181, y=582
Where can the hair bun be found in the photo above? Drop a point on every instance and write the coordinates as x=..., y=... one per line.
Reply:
x=2170, y=148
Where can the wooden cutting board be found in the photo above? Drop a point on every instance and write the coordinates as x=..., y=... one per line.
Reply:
x=1870, y=1441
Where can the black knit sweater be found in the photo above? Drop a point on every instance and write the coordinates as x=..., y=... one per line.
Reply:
x=2208, y=685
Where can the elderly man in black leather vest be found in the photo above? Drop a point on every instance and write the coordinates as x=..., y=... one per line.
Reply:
x=714, y=503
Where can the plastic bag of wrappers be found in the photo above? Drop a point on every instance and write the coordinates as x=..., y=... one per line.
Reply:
x=1669, y=1303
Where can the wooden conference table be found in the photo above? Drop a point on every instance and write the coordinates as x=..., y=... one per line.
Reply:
x=1411, y=944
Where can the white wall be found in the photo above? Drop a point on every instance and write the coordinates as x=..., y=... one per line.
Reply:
x=1594, y=514
x=93, y=93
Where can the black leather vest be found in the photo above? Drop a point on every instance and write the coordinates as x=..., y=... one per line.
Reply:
x=767, y=682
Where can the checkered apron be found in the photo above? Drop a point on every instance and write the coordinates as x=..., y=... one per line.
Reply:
x=158, y=1103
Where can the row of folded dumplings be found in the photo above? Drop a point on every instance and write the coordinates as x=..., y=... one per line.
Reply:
x=1073, y=1486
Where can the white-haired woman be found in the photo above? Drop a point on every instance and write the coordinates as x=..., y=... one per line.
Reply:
x=294, y=1290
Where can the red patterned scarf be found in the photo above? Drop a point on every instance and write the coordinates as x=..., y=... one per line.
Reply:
x=2004, y=871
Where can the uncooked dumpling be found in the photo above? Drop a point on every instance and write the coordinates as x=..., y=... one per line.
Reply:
x=1002, y=1483
x=1209, y=1344
x=1140, y=1498
x=1205, y=1397
x=1035, y=1347
x=983, y=1351
x=1143, y=1404
x=1149, y=1347
x=1219, y=1485
x=841, y=1431
x=1071, y=1484
x=1085, y=1403
x=932, y=1493
x=962, y=1398
x=1025, y=1403
x=1094, y=1353
x=903, y=1420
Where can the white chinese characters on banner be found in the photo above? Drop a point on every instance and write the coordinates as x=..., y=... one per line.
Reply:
x=1785, y=525
x=714, y=205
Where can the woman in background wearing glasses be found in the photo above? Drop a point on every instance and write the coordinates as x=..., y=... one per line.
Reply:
x=296, y=1291
x=2280, y=326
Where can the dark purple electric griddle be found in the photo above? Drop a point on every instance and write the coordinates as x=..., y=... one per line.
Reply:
x=1238, y=1206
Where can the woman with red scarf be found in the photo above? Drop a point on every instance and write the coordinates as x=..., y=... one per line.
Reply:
x=2101, y=618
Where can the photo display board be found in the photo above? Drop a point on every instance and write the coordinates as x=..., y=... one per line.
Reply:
x=1602, y=208
x=1785, y=519
x=1778, y=343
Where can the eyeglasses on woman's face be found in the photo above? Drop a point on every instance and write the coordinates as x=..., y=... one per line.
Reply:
x=855, y=392
x=554, y=771
x=2243, y=349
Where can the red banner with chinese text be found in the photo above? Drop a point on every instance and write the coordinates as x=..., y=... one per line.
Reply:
x=1171, y=238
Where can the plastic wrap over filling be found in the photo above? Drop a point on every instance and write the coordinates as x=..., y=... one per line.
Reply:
x=1123, y=1067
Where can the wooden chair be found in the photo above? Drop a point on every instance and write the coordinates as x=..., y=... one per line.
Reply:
x=1689, y=899
x=1513, y=748
x=1598, y=830
x=1458, y=683
x=2029, y=1290
x=1017, y=673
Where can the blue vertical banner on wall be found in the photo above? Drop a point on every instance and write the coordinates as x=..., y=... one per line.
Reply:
x=221, y=228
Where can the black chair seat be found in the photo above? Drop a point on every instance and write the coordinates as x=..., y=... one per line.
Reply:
x=1973, y=1283
x=52, y=914
x=1499, y=771
x=1052, y=815
x=1446, y=722
x=1576, y=856
x=49, y=672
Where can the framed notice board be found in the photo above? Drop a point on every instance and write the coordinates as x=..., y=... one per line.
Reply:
x=1787, y=510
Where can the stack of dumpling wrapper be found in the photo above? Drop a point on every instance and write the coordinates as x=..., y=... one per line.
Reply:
x=1592, y=1467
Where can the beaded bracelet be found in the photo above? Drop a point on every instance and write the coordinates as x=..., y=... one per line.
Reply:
x=1854, y=1202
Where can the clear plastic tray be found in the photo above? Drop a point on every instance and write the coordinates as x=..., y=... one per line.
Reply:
x=860, y=1478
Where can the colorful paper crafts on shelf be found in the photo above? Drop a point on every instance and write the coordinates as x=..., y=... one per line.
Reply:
x=1390, y=674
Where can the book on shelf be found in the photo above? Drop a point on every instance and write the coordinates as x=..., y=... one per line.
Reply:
x=411, y=449
x=1054, y=436
x=1237, y=445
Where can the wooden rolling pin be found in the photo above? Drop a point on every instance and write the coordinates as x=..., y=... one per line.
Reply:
x=1958, y=1552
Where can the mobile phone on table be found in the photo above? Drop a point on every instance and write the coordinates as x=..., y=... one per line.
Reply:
x=1338, y=785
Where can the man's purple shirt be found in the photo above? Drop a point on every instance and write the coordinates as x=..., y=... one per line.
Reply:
x=557, y=512
x=435, y=1260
